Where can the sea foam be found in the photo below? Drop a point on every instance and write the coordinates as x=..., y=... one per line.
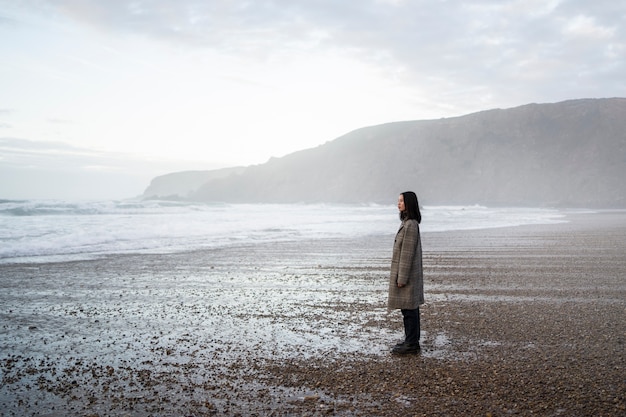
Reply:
x=38, y=231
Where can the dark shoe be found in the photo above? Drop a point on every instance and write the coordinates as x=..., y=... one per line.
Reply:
x=406, y=349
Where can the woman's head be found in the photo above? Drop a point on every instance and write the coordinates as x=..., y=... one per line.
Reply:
x=409, y=206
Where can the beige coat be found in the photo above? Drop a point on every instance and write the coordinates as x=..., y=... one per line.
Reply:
x=406, y=268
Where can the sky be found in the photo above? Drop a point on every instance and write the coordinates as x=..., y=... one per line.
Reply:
x=98, y=97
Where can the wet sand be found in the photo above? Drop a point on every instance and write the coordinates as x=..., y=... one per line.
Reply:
x=518, y=321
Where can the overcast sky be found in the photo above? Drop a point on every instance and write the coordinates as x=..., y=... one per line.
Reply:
x=127, y=90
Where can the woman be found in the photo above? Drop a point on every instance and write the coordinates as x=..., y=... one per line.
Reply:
x=406, y=283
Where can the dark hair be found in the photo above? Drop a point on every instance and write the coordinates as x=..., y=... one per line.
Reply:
x=412, y=207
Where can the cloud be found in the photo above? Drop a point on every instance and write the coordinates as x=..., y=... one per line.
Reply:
x=60, y=121
x=37, y=169
x=585, y=27
x=438, y=45
x=59, y=156
x=437, y=57
x=238, y=81
x=57, y=170
x=35, y=154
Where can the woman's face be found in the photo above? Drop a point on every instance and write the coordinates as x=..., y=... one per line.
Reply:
x=401, y=203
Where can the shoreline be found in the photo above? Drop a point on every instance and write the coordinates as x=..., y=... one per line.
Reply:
x=76, y=238
x=521, y=320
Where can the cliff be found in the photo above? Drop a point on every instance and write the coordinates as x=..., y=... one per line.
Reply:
x=180, y=185
x=570, y=154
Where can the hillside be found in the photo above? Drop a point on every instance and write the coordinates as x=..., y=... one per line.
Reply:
x=570, y=154
x=180, y=185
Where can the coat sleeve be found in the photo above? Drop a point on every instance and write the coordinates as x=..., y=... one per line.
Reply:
x=407, y=252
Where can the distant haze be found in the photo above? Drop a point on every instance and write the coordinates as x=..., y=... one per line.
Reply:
x=570, y=154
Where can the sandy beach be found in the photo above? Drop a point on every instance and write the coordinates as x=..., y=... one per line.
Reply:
x=527, y=320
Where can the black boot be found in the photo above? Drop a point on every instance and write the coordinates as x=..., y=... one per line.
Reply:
x=406, y=349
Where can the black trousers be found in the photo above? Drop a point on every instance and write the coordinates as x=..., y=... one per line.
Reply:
x=411, y=320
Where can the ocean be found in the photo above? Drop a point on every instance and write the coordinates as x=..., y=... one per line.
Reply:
x=53, y=231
